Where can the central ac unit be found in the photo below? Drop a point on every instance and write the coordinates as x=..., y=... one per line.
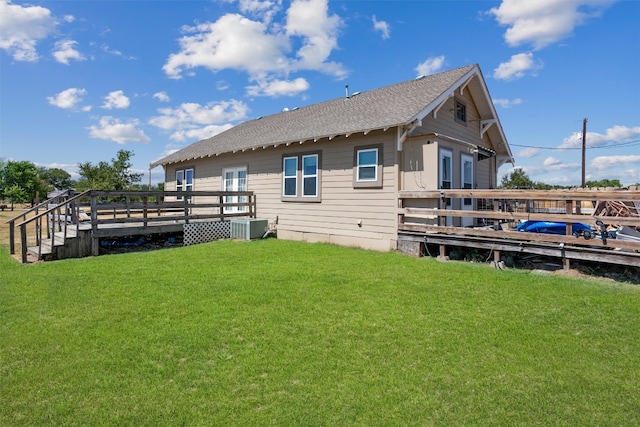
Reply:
x=248, y=228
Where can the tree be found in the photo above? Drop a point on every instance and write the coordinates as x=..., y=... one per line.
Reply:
x=20, y=182
x=604, y=183
x=517, y=179
x=56, y=179
x=104, y=176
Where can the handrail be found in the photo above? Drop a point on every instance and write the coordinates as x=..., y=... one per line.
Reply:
x=50, y=232
x=128, y=207
x=24, y=215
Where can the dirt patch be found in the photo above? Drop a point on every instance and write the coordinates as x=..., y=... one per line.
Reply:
x=550, y=265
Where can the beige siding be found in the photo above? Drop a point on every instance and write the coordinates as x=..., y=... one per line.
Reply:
x=420, y=153
x=348, y=216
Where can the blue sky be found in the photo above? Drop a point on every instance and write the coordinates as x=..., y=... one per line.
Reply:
x=80, y=80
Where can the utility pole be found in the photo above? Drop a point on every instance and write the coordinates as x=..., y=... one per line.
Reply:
x=584, y=150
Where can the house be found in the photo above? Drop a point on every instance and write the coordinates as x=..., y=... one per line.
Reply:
x=331, y=172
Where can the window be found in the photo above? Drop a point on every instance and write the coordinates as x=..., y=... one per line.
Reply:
x=310, y=176
x=301, y=177
x=290, y=177
x=184, y=181
x=446, y=172
x=466, y=172
x=461, y=112
x=367, y=167
x=446, y=179
x=235, y=179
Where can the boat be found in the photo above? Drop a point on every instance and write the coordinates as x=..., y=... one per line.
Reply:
x=552, y=227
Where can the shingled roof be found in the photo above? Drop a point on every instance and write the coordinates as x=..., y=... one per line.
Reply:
x=395, y=105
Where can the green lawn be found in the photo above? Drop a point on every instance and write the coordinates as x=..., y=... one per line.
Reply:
x=286, y=333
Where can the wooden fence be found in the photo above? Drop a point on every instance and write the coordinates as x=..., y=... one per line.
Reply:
x=493, y=216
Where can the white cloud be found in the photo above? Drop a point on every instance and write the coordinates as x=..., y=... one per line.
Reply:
x=265, y=9
x=161, y=96
x=606, y=162
x=430, y=66
x=517, y=67
x=551, y=161
x=232, y=42
x=68, y=98
x=383, y=27
x=191, y=119
x=65, y=50
x=543, y=22
x=528, y=152
x=310, y=20
x=261, y=48
x=507, y=103
x=615, y=134
x=275, y=88
x=116, y=99
x=113, y=129
x=200, y=133
x=22, y=27
x=107, y=49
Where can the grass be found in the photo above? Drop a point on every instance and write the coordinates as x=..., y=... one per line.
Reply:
x=286, y=333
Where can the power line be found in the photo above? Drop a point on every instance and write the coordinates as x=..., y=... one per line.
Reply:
x=617, y=145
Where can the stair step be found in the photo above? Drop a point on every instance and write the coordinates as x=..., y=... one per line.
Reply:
x=46, y=249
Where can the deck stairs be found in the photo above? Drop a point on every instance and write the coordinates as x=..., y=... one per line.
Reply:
x=56, y=248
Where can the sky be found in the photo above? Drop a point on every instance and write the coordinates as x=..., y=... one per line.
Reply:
x=81, y=80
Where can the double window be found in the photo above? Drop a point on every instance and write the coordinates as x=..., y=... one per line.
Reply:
x=301, y=175
x=184, y=180
x=367, y=166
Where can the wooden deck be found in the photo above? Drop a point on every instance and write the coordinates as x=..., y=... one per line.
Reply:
x=435, y=218
x=72, y=226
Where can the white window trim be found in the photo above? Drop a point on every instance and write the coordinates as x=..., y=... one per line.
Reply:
x=445, y=153
x=378, y=167
x=300, y=176
x=285, y=177
x=185, y=186
x=315, y=175
x=368, y=165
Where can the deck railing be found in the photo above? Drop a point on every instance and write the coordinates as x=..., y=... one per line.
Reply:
x=495, y=214
x=55, y=220
x=62, y=204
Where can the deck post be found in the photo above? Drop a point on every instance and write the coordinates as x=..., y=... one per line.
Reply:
x=254, y=206
x=23, y=243
x=145, y=201
x=569, y=211
x=186, y=209
x=443, y=251
x=95, y=242
x=12, y=235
